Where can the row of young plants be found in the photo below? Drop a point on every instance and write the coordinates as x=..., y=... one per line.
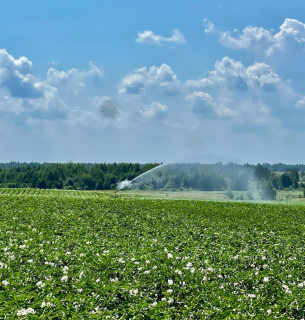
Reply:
x=87, y=257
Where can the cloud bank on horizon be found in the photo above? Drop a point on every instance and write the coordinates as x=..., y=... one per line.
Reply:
x=249, y=111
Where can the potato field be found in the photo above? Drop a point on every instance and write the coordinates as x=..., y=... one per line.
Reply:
x=89, y=255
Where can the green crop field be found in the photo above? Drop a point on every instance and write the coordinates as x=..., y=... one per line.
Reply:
x=89, y=255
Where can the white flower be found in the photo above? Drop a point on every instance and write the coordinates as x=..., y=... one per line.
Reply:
x=81, y=274
x=30, y=261
x=64, y=278
x=251, y=295
x=65, y=269
x=98, y=280
x=170, y=282
x=147, y=272
x=25, y=312
x=286, y=288
x=40, y=284
x=189, y=264
x=121, y=260
x=170, y=301
x=301, y=285
x=48, y=304
x=269, y=311
x=68, y=253
x=169, y=256
x=266, y=279
x=147, y=261
x=96, y=310
x=133, y=292
x=154, y=304
x=80, y=290
x=170, y=291
x=192, y=270
x=5, y=283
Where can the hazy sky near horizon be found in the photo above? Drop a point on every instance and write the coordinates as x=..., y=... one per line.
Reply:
x=143, y=81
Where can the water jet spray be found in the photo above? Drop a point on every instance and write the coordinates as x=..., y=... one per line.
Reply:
x=126, y=183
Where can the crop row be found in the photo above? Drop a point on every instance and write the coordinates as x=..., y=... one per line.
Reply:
x=51, y=193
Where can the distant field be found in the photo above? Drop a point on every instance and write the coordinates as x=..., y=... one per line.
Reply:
x=295, y=196
x=89, y=255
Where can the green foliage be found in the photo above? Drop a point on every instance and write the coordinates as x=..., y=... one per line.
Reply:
x=70, y=175
x=172, y=177
x=267, y=191
x=87, y=255
x=261, y=172
x=196, y=176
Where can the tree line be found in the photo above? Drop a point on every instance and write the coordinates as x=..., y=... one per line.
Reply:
x=179, y=176
x=77, y=176
x=219, y=177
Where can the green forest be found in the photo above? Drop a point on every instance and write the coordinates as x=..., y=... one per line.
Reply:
x=173, y=177
x=76, y=176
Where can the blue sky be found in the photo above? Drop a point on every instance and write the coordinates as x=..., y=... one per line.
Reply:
x=140, y=81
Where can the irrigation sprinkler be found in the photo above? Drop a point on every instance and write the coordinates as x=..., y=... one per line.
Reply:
x=127, y=183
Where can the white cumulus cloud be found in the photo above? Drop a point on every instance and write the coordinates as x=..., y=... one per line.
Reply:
x=61, y=95
x=161, y=77
x=208, y=26
x=201, y=103
x=156, y=109
x=148, y=37
x=250, y=38
x=16, y=77
x=258, y=39
x=233, y=75
x=300, y=104
x=254, y=94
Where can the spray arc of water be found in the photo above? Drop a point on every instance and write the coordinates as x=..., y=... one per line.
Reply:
x=126, y=183
x=153, y=169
